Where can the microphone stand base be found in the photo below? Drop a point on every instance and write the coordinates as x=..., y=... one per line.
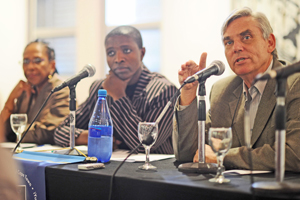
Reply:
x=68, y=151
x=200, y=168
x=18, y=151
x=276, y=188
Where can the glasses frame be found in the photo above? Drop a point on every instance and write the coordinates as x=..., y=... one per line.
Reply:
x=35, y=61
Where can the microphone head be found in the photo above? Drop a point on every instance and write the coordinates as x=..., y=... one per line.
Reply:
x=257, y=78
x=90, y=70
x=220, y=66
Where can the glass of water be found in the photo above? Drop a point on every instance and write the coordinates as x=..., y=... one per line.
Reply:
x=18, y=124
x=220, y=140
x=147, y=132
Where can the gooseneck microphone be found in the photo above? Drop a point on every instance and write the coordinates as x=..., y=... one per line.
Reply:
x=88, y=71
x=217, y=68
x=282, y=72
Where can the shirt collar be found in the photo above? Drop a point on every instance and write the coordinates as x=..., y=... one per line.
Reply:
x=259, y=85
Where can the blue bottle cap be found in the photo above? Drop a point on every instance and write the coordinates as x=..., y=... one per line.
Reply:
x=102, y=92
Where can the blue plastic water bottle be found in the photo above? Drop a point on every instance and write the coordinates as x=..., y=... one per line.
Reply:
x=100, y=138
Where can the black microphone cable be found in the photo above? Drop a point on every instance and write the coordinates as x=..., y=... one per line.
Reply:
x=23, y=135
x=147, y=141
x=112, y=177
x=247, y=133
x=249, y=149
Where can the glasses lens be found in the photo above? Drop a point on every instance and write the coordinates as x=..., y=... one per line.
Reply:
x=26, y=61
x=37, y=60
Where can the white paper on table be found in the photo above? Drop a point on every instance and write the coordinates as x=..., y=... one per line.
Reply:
x=245, y=172
x=120, y=155
x=12, y=145
x=44, y=148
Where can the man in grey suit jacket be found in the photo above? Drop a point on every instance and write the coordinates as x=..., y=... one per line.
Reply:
x=250, y=49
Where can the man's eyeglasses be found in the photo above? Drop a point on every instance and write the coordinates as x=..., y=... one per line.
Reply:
x=26, y=61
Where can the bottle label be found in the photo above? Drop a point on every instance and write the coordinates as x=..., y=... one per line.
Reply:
x=100, y=130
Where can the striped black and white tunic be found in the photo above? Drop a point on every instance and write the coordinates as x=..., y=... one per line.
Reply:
x=151, y=94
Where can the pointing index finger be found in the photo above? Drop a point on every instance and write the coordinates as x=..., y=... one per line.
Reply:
x=202, y=62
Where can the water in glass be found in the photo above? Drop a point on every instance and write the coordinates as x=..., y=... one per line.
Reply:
x=220, y=140
x=18, y=124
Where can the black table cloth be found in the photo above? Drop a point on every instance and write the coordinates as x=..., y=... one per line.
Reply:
x=67, y=182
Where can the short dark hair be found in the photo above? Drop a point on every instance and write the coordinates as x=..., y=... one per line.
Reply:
x=129, y=31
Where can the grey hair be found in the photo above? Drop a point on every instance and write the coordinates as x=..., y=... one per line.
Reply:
x=262, y=22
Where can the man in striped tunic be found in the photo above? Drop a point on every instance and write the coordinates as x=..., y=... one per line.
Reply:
x=134, y=95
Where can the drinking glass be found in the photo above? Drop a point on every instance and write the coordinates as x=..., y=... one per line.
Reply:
x=220, y=140
x=145, y=130
x=18, y=124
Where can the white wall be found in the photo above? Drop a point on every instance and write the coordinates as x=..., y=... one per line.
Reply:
x=190, y=28
x=13, y=37
x=90, y=34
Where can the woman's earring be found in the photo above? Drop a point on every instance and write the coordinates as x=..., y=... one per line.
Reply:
x=49, y=76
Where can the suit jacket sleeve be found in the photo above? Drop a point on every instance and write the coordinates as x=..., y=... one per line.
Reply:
x=185, y=131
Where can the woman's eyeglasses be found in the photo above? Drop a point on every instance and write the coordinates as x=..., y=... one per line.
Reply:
x=26, y=61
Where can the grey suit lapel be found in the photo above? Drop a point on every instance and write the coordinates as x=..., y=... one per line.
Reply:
x=266, y=106
x=237, y=113
x=264, y=111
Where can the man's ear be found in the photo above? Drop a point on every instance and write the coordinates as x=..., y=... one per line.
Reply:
x=271, y=43
x=143, y=51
